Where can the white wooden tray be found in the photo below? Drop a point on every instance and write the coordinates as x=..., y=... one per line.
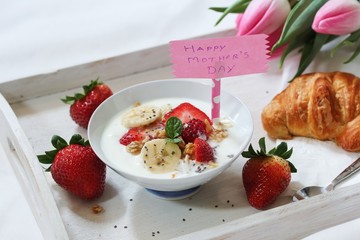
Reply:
x=33, y=112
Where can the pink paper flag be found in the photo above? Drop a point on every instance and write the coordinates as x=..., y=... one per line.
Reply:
x=219, y=57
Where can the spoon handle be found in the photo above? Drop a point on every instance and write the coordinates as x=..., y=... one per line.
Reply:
x=350, y=170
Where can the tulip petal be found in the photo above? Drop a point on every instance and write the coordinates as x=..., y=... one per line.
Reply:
x=337, y=17
x=238, y=20
x=264, y=16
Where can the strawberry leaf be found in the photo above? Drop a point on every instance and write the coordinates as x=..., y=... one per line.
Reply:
x=252, y=151
x=51, y=154
x=86, y=89
x=292, y=167
x=262, y=146
x=281, y=150
x=45, y=159
x=287, y=154
x=93, y=83
x=76, y=139
x=247, y=154
x=58, y=142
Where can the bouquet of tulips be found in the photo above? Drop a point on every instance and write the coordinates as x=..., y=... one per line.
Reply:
x=305, y=25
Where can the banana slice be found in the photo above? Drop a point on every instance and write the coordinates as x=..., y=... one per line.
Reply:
x=160, y=156
x=141, y=116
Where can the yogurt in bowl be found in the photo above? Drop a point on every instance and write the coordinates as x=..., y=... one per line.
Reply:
x=106, y=128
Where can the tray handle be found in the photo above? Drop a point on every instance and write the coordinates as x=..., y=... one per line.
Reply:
x=30, y=175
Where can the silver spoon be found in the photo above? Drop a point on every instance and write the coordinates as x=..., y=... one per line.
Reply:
x=307, y=192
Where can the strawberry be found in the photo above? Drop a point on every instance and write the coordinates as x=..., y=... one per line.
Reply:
x=83, y=105
x=134, y=134
x=203, y=151
x=193, y=129
x=75, y=167
x=185, y=112
x=266, y=175
x=140, y=133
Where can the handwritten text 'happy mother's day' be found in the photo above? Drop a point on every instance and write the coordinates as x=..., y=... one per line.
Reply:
x=219, y=57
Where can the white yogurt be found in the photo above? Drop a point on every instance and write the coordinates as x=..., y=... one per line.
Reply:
x=119, y=157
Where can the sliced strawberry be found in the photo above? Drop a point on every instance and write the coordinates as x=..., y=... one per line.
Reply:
x=140, y=133
x=134, y=134
x=195, y=128
x=203, y=151
x=185, y=112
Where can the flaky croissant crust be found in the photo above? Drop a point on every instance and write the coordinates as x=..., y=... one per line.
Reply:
x=324, y=105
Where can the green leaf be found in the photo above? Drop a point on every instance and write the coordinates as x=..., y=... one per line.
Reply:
x=281, y=149
x=238, y=7
x=173, y=127
x=350, y=40
x=77, y=139
x=250, y=153
x=292, y=167
x=79, y=96
x=287, y=154
x=309, y=52
x=251, y=150
x=45, y=159
x=218, y=9
x=51, y=154
x=86, y=89
x=247, y=154
x=354, y=55
x=262, y=145
x=68, y=100
x=272, y=151
x=299, y=20
x=58, y=142
x=86, y=143
x=295, y=43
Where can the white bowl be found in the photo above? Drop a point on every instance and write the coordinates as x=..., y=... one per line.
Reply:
x=170, y=188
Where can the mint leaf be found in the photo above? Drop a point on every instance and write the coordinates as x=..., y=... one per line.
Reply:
x=173, y=127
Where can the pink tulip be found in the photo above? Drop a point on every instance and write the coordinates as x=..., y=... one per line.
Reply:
x=263, y=16
x=337, y=17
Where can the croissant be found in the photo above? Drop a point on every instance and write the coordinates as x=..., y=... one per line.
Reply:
x=324, y=106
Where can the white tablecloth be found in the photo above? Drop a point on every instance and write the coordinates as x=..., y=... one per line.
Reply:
x=43, y=36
